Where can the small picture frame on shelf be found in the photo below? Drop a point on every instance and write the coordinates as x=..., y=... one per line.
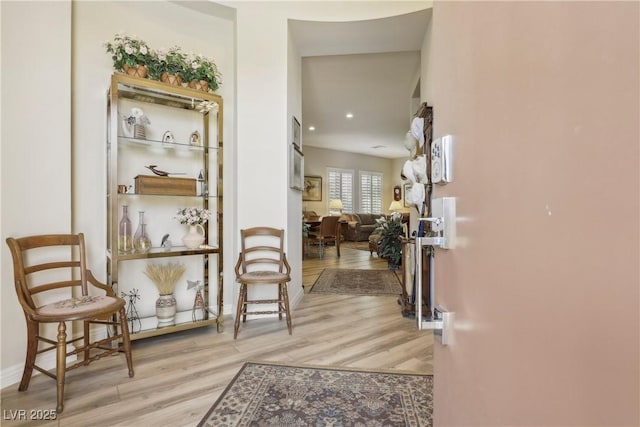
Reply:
x=195, y=139
x=168, y=137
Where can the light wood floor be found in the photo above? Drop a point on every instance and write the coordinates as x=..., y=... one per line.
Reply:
x=178, y=377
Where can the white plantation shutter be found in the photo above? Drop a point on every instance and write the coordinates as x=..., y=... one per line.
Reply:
x=341, y=187
x=370, y=192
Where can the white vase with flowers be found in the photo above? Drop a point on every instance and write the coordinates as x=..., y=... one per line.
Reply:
x=195, y=218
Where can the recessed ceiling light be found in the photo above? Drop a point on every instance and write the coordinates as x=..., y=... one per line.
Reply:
x=349, y=115
x=312, y=128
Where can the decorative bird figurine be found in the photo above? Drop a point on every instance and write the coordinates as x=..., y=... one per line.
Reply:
x=159, y=172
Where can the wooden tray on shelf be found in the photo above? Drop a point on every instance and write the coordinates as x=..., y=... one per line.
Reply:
x=164, y=185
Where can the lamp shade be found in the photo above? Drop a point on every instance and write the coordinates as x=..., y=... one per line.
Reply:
x=395, y=206
x=335, y=204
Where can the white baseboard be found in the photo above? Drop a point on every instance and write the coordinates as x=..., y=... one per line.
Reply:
x=47, y=361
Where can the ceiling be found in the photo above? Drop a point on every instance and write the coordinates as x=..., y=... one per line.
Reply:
x=368, y=68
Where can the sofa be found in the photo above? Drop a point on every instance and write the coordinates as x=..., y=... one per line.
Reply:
x=359, y=226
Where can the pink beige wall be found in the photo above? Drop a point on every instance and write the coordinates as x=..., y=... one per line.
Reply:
x=543, y=101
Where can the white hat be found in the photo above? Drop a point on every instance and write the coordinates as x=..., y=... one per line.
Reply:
x=417, y=129
x=417, y=195
x=410, y=143
x=407, y=171
x=420, y=168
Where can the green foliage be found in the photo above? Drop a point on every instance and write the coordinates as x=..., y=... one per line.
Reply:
x=128, y=50
x=200, y=68
x=390, y=244
x=131, y=51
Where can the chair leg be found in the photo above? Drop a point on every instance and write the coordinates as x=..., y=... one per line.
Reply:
x=87, y=339
x=126, y=340
x=33, y=329
x=280, y=300
x=236, y=324
x=286, y=306
x=61, y=364
x=245, y=303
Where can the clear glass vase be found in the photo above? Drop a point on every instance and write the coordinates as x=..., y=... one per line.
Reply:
x=142, y=243
x=139, y=229
x=125, y=240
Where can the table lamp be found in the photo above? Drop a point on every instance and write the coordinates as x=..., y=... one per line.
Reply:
x=395, y=206
x=335, y=207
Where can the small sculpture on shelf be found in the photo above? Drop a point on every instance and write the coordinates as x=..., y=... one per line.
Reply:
x=135, y=123
x=166, y=243
x=195, y=138
x=199, y=310
x=168, y=137
x=153, y=168
x=132, y=312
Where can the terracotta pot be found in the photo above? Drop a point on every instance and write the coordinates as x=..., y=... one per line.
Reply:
x=137, y=71
x=199, y=85
x=172, y=79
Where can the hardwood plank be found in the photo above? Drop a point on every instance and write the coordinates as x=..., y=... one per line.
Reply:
x=179, y=376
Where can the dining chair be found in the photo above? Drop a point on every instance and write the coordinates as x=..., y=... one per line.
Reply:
x=327, y=233
x=46, y=267
x=262, y=260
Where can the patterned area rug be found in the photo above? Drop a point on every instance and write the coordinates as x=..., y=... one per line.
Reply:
x=358, y=282
x=276, y=395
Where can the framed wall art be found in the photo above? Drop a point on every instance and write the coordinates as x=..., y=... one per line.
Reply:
x=312, y=191
x=296, y=168
x=295, y=133
x=407, y=192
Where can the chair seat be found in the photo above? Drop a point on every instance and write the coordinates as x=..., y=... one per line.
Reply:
x=263, y=277
x=78, y=308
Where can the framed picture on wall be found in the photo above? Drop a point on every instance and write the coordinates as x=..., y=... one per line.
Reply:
x=296, y=168
x=407, y=193
x=312, y=191
x=295, y=133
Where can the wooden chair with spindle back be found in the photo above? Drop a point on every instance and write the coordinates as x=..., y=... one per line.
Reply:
x=45, y=266
x=262, y=260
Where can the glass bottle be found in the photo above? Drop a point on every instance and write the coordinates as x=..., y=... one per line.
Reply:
x=139, y=229
x=142, y=243
x=125, y=241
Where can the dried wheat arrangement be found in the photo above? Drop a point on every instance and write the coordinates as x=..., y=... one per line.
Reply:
x=165, y=276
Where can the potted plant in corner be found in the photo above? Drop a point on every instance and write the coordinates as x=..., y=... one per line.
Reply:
x=390, y=243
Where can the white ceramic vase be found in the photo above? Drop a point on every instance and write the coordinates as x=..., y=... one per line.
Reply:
x=195, y=237
x=166, y=309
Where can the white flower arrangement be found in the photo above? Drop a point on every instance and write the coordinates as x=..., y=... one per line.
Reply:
x=193, y=216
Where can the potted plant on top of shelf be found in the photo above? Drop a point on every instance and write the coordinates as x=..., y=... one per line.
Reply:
x=130, y=55
x=201, y=73
x=390, y=245
x=168, y=66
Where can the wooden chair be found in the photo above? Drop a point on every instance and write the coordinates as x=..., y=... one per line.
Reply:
x=45, y=265
x=262, y=260
x=327, y=233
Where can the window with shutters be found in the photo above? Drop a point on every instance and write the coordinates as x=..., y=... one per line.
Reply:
x=341, y=187
x=370, y=192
